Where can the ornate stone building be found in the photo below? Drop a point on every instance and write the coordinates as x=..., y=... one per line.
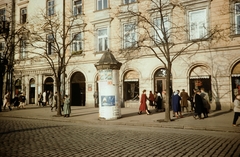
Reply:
x=213, y=63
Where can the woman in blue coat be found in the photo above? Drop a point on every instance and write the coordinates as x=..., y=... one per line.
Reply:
x=176, y=104
x=66, y=107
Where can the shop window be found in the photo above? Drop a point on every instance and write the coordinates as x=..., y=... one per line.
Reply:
x=131, y=86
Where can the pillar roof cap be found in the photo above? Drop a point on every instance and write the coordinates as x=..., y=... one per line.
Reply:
x=108, y=61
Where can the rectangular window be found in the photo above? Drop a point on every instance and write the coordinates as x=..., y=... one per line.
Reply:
x=102, y=4
x=50, y=44
x=130, y=36
x=23, y=16
x=102, y=39
x=198, y=24
x=50, y=7
x=237, y=18
x=23, y=46
x=128, y=1
x=77, y=44
x=2, y=15
x=77, y=7
x=161, y=29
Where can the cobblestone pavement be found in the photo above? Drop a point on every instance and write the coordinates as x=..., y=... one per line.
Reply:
x=28, y=138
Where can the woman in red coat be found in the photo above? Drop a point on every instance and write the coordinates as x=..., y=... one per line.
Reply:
x=143, y=104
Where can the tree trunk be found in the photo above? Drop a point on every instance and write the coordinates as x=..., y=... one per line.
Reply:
x=168, y=96
x=59, y=100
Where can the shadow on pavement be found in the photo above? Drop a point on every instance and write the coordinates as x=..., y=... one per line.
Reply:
x=219, y=113
x=78, y=115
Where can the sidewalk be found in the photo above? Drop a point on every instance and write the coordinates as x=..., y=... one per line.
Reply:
x=217, y=121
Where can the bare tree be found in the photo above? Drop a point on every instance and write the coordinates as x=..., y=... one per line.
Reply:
x=9, y=38
x=163, y=33
x=50, y=40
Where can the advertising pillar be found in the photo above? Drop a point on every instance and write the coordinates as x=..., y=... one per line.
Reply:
x=108, y=85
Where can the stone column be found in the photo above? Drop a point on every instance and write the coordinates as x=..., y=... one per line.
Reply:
x=108, y=85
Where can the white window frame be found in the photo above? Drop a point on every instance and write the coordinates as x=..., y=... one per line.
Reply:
x=50, y=44
x=2, y=14
x=23, y=48
x=237, y=18
x=77, y=43
x=129, y=1
x=77, y=7
x=102, y=4
x=23, y=15
x=102, y=39
x=132, y=33
x=50, y=7
x=197, y=24
x=158, y=32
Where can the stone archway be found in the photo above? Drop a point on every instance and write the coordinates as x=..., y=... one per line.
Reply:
x=200, y=78
x=235, y=78
x=78, y=89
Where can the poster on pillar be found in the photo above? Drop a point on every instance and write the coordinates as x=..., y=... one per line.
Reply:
x=108, y=94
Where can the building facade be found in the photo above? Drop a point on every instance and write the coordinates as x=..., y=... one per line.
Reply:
x=110, y=25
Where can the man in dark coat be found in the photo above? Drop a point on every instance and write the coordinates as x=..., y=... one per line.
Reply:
x=198, y=105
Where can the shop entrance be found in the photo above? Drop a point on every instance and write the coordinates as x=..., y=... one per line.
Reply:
x=32, y=91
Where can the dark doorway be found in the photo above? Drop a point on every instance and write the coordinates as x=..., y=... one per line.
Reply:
x=78, y=89
x=48, y=85
x=32, y=92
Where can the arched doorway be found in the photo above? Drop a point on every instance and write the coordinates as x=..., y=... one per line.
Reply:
x=32, y=91
x=48, y=84
x=235, y=80
x=78, y=89
x=200, y=78
x=160, y=81
x=18, y=87
x=131, y=86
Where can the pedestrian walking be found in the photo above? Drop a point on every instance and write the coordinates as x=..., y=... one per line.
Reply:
x=50, y=99
x=184, y=100
x=16, y=101
x=44, y=98
x=22, y=100
x=158, y=101
x=192, y=100
x=206, y=102
x=176, y=104
x=7, y=101
x=54, y=102
x=95, y=96
x=236, y=109
x=151, y=99
x=143, y=104
x=66, y=106
x=40, y=99
x=198, y=105
x=47, y=98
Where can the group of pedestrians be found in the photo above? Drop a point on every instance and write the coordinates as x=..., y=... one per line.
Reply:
x=18, y=101
x=48, y=99
x=154, y=100
x=180, y=101
x=201, y=103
